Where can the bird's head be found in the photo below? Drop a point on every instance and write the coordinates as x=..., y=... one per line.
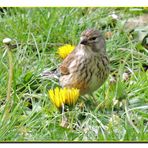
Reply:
x=93, y=39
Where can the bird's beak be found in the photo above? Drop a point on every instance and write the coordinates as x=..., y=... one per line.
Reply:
x=84, y=41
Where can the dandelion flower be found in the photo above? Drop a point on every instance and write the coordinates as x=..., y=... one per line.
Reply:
x=65, y=50
x=61, y=96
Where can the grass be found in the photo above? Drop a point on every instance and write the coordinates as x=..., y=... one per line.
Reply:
x=122, y=110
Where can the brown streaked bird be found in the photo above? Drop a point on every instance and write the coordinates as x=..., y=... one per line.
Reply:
x=87, y=66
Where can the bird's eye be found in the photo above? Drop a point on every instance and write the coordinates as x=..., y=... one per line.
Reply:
x=93, y=38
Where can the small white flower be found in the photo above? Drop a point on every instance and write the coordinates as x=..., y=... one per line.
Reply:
x=114, y=16
x=7, y=40
x=125, y=76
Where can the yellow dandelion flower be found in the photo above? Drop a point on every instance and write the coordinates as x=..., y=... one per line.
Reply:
x=61, y=96
x=65, y=50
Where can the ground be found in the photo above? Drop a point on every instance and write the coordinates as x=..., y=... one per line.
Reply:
x=121, y=112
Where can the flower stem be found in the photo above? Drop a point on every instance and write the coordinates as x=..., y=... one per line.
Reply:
x=64, y=121
x=10, y=78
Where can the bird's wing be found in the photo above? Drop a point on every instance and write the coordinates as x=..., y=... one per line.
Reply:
x=50, y=74
x=64, y=67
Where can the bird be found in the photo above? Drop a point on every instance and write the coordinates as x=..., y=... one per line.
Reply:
x=87, y=66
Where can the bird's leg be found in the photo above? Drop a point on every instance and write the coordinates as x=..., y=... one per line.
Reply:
x=91, y=101
x=95, y=98
x=103, y=104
